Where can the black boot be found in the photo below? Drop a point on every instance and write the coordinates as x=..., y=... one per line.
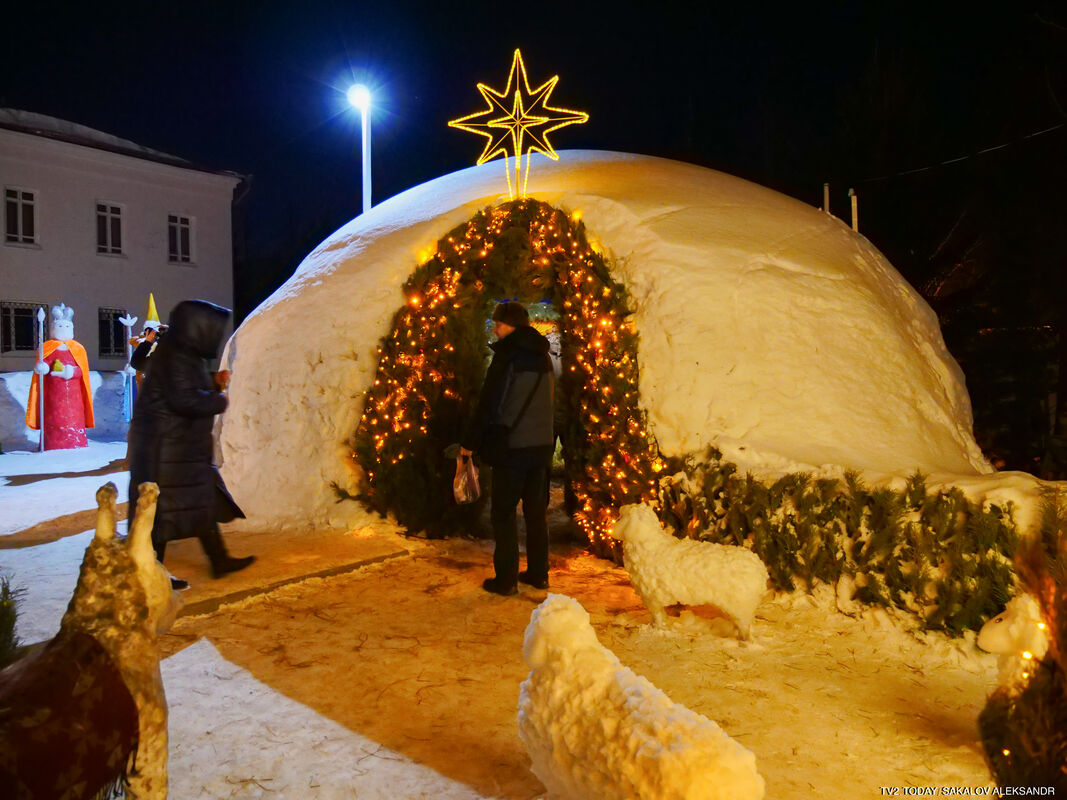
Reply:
x=535, y=581
x=497, y=586
x=222, y=563
x=230, y=565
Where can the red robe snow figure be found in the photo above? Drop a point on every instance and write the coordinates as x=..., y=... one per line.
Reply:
x=68, y=398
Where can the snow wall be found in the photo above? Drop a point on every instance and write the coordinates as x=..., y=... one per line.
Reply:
x=767, y=327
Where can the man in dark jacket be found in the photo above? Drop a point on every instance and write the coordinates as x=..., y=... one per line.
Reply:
x=513, y=420
x=170, y=439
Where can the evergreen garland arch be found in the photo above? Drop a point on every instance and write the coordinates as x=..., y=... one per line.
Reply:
x=432, y=364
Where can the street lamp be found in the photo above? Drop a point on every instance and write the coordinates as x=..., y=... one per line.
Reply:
x=359, y=96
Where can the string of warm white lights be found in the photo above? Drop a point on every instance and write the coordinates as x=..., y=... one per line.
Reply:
x=422, y=378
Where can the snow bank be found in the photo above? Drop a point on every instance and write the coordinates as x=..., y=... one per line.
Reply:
x=665, y=570
x=594, y=729
x=766, y=326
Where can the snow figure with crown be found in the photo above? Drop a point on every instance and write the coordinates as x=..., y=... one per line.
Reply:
x=68, y=397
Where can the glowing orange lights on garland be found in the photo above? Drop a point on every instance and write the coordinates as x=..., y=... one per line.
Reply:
x=521, y=115
x=427, y=377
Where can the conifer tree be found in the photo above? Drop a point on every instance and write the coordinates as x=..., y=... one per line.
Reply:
x=9, y=641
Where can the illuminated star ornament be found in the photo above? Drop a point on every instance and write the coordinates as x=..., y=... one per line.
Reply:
x=523, y=116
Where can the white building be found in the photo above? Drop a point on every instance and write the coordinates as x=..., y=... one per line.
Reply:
x=98, y=222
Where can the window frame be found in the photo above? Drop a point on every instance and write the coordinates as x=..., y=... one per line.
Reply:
x=21, y=203
x=112, y=214
x=116, y=339
x=8, y=332
x=176, y=225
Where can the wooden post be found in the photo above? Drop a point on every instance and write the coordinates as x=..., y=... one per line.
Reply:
x=826, y=197
x=855, y=210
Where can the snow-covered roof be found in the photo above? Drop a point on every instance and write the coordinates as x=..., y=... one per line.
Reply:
x=767, y=328
x=63, y=130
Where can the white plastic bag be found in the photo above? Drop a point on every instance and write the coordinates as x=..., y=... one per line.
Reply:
x=465, y=486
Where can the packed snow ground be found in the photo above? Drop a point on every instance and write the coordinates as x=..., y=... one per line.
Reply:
x=27, y=501
x=400, y=680
x=230, y=735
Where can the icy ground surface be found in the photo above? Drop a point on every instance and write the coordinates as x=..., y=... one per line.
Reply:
x=231, y=736
x=256, y=742
x=400, y=680
x=26, y=501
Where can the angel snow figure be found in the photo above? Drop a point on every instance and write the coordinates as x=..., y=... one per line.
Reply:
x=68, y=397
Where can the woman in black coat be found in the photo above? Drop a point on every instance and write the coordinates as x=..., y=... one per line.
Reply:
x=170, y=435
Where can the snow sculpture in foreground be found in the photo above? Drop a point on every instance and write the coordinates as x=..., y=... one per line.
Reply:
x=93, y=695
x=1019, y=636
x=594, y=729
x=68, y=396
x=666, y=571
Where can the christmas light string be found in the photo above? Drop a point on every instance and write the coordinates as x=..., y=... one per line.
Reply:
x=429, y=370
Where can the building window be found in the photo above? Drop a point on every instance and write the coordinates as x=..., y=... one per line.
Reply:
x=112, y=333
x=108, y=229
x=20, y=224
x=18, y=327
x=179, y=239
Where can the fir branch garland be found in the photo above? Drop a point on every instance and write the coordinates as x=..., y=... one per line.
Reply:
x=936, y=555
x=432, y=364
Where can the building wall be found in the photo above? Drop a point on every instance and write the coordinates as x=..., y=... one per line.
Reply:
x=68, y=180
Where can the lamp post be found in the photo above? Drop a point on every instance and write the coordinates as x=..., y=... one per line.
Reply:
x=39, y=376
x=359, y=96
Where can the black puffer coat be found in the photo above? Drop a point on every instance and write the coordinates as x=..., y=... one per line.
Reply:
x=170, y=434
x=518, y=359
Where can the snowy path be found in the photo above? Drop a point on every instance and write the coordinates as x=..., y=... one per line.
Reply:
x=230, y=734
x=400, y=680
x=413, y=654
x=26, y=500
x=233, y=736
x=47, y=574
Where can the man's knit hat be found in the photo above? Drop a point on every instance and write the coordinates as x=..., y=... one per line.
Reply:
x=511, y=313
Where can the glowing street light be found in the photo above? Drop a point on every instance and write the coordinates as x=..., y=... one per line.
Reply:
x=359, y=96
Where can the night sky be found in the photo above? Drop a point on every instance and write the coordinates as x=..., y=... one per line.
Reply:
x=787, y=95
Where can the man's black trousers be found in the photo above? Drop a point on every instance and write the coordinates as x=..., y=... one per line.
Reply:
x=510, y=485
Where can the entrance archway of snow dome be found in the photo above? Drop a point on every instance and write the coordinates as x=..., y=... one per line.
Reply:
x=432, y=363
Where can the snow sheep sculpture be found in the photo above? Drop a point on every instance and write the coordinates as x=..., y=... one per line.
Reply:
x=666, y=571
x=1016, y=630
x=594, y=729
x=93, y=695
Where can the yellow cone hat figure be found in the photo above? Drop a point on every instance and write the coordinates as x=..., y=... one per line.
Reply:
x=151, y=319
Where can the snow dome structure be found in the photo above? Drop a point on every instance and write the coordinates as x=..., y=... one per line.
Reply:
x=767, y=328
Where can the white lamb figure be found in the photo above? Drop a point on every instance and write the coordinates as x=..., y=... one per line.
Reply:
x=666, y=571
x=1016, y=630
x=594, y=729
